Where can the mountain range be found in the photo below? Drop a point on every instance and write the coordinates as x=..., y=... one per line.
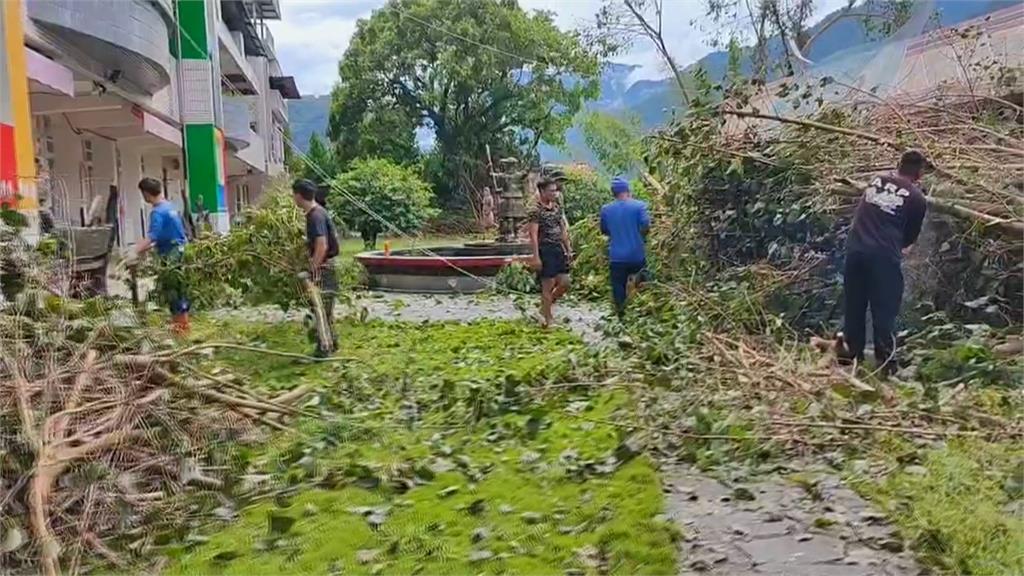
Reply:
x=655, y=101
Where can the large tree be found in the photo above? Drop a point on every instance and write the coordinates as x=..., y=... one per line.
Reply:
x=474, y=72
x=365, y=126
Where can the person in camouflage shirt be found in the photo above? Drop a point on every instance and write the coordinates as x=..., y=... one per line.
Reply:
x=552, y=252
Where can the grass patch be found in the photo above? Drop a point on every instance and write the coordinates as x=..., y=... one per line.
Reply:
x=443, y=458
x=955, y=509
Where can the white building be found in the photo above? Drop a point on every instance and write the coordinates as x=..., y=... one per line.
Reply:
x=109, y=96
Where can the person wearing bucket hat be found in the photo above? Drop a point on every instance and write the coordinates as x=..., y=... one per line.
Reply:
x=625, y=222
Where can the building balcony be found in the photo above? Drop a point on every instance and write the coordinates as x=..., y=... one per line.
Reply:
x=126, y=42
x=234, y=66
x=269, y=49
x=238, y=123
x=268, y=9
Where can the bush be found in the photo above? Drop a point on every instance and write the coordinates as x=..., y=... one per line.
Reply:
x=516, y=278
x=394, y=193
x=590, y=267
x=256, y=263
x=584, y=192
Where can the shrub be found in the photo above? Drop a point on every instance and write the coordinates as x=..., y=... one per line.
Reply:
x=396, y=194
x=256, y=262
x=584, y=192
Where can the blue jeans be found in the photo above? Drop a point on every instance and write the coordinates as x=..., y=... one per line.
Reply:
x=620, y=273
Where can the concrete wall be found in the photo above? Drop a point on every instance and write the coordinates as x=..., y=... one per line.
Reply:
x=138, y=162
x=127, y=35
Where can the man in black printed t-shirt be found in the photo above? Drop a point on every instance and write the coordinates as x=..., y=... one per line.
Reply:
x=552, y=251
x=887, y=222
x=322, y=245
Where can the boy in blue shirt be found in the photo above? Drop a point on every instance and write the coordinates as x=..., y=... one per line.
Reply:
x=166, y=234
x=625, y=222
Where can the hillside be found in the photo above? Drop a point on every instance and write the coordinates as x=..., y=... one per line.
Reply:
x=307, y=116
x=654, y=101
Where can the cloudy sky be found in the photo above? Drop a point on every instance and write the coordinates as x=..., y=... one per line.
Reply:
x=313, y=34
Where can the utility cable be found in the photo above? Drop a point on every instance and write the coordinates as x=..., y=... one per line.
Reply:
x=358, y=203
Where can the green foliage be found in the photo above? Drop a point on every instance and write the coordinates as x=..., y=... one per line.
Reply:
x=882, y=18
x=291, y=160
x=584, y=191
x=448, y=458
x=951, y=508
x=615, y=141
x=15, y=254
x=319, y=164
x=394, y=193
x=11, y=217
x=516, y=278
x=255, y=263
x=423, y=60
x=967, y=361
x=370, y=127
x=590, y=267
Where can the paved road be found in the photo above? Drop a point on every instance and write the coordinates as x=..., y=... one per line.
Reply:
x=774, y=526
x=582, y=318
x=768, y=526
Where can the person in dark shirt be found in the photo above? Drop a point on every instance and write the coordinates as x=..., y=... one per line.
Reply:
x=549, y=235
x=625, y=222
x=887, y=222
x=167, y=235
x=322, y=246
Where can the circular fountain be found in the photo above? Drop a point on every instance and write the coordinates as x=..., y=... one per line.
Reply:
x=468, y=268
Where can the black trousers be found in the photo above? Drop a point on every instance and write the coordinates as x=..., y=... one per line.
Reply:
x=620, y=273
x=875, y=281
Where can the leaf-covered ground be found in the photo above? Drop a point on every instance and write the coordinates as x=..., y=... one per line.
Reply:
x=442, y=448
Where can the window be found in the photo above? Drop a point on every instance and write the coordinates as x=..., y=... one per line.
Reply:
x=241, y=197
x=88, y=186
x=45, y=147
x=277, y=144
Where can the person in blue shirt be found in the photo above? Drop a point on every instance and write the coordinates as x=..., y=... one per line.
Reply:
x=167, y=235
x=625, y=222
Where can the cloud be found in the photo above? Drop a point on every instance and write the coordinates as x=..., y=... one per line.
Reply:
x=312, y=35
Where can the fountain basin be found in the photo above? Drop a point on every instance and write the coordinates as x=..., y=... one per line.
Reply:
x=444, y=269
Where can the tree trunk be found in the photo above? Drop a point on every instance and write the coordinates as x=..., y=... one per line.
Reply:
x=369, y=239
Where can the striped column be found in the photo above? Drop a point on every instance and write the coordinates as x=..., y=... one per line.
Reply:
x=17, y=156
x=200, y=99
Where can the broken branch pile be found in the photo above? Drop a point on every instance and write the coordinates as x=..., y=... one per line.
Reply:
x=750, y=394
x=746, y=186
x=103, y=427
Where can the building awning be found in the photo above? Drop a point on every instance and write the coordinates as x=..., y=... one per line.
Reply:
x=155, y=126
x=51, y=76
x=286, y=86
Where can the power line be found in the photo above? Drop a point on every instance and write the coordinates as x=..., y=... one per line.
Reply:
x=404, y=14
x=358, y=203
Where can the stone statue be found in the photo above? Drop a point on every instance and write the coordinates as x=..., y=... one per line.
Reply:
x=512, y=211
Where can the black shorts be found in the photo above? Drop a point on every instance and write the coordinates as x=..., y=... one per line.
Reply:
x=553, y=261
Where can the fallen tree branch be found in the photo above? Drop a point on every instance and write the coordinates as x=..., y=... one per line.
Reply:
x=876, y=427
x=1015, y=227
x=173, y=354
x=877, y=139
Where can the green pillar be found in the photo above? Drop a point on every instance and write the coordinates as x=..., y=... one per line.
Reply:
x=200, y=106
